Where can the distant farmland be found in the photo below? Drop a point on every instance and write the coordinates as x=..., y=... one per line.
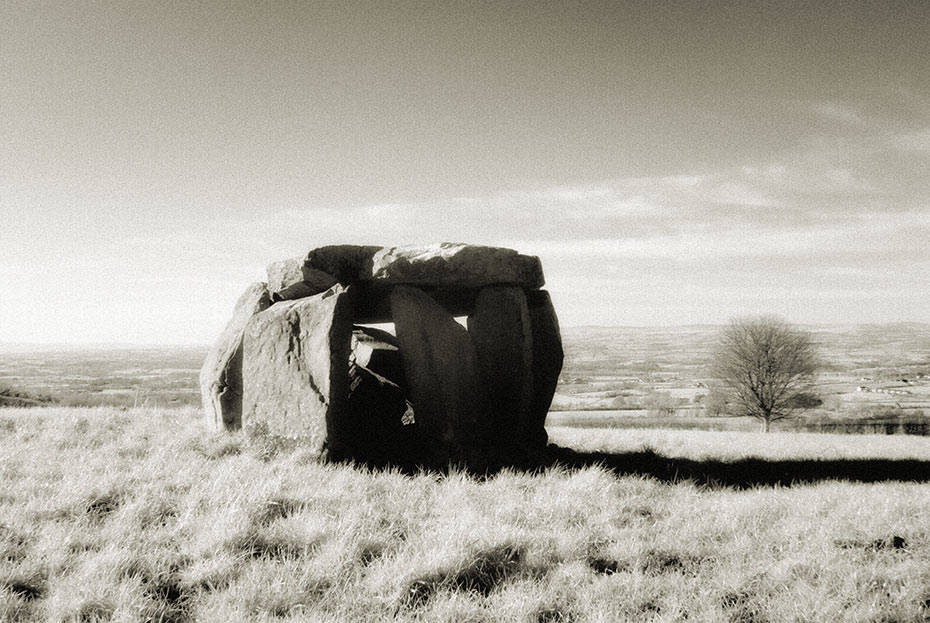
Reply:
x=612, y=377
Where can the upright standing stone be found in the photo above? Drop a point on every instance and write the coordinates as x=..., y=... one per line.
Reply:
x=501, y=332
x=221, y=374
x=441, y=371
x=295, y=370
x=547, y=363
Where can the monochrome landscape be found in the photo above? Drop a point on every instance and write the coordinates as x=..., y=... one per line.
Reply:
x=595, y=311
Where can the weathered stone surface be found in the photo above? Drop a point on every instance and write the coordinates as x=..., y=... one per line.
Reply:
x=547, y=363
x=293, y=279
x=221, y=374
x=441, y=369
x=348, y=263
x=501, y=332
x=453, y=264
x=284, y=273
x=295, y=368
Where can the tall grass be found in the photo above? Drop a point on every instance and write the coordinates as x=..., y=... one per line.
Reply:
x=143, y=515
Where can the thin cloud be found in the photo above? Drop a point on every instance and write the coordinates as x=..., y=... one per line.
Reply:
x=917, y=141
x=837, y=112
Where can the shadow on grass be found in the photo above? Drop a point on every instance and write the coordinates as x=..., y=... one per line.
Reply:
x=744, y=473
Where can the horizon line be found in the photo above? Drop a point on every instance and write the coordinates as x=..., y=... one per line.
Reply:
x=4, y=345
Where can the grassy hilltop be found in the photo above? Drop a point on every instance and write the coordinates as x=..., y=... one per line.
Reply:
x=144, y=515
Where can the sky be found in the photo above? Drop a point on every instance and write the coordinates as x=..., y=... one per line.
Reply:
x=669, y=162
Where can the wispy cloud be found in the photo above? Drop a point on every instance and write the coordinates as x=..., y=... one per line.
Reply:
x=837, y=112
x=916, y=141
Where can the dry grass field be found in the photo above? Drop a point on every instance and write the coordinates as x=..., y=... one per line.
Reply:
x=144, y=515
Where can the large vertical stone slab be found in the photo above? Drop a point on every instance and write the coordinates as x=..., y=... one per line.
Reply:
x=221, y=374
x=547, y=363
x=295, y=368
x=501, y=332
x=440, y=367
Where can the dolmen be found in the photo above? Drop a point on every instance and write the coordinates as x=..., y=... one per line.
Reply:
x=299, y=359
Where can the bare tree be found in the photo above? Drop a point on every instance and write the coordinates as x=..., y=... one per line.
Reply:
x=766, y=365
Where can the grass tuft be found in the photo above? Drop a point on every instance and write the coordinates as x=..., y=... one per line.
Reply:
x=607, y=566
x=98, y=507
x=26, y=589
x=94, y=611
x=368, y=552
x=894, y=543
x=656, y=562
x=216, y=448
x=13, y=545
x=278, y=508
x=742, y=607
x=553, y=615
x=272, y=545
x=480, y=574
x=170, y=601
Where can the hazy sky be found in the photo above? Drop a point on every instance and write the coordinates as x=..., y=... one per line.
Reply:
x=671, y=163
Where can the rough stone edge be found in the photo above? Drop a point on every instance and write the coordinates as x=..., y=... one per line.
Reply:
x=548, y=357
x=221, y=374
x=339, y=343
x=526, y=270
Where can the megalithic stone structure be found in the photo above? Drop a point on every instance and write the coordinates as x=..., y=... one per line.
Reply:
x=295, y=361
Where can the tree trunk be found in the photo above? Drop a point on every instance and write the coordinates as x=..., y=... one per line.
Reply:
x=766, y=424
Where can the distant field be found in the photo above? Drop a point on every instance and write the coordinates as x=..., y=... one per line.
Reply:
x=618, y=368
x=872, y=372
x=144, y=515
x=129, y=377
